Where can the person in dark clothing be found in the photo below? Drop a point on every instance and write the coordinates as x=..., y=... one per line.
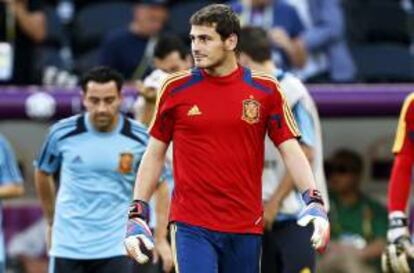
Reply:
x=22, y=27
x=130, y=50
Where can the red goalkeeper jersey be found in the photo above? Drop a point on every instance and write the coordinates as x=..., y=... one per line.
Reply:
x=218, y=125
x=399, y=187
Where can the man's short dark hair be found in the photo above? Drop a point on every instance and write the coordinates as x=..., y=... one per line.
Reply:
x=102, y=74
x=255, y=43
x=221, y=16
x=346, y=161
x=168, y=44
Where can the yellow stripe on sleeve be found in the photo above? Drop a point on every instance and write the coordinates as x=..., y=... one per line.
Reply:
x=287, y=112
x=400, y=133
x=290, y=121
x=171, y=78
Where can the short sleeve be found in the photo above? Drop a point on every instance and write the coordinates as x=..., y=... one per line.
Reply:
x=49, y=158
x=305, y=124
x=404, y=137
x=281, y=124
x=162, y=125
x=9, y=170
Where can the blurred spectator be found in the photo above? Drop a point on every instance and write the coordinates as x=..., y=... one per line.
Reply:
x=171, y=55
x=130, y=50
x=358, y=223
x=283, y=24
x=329, y=58
x=10, y=184
x=23, y=25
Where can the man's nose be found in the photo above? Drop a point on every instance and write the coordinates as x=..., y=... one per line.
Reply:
x=102, y=107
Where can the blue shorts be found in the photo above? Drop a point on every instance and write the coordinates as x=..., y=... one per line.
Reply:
x=197, y=249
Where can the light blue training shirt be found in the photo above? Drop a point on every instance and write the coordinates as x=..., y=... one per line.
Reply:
x=9, y=174
x=97, y=173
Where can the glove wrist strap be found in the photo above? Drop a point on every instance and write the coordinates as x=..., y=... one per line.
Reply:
x=397, y=220
x=139, y=209
x=312, y=196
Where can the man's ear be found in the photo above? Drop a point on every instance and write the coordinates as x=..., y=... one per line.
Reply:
x=231, y=42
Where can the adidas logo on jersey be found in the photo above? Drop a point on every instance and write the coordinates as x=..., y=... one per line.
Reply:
x=194, y=111
x=77, y=159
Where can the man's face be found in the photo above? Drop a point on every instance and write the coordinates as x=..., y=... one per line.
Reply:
x=344, y=182
x=102, y=101
x=172, y=63
x=150, y=18
x=207, y=47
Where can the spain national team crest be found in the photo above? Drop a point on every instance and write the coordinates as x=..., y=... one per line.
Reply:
x=251, y=110
x=126, y=160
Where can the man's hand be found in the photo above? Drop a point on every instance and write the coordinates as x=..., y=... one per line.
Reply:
x=139, y=242
x=315, y=213
x=271, y=209
x=163, y=249
x=399, y=250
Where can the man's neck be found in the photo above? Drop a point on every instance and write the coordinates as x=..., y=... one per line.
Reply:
x=266, y=66
x=226, y=68
x=110, y=128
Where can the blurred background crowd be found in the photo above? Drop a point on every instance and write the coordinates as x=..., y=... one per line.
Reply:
x=55, y=41
x=51, y=43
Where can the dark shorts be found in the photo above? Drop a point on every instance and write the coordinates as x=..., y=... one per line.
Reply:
x=199, y=250
x=287, y=249
x=120, y=264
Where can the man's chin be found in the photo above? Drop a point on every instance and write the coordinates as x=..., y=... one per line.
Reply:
x=102, y=126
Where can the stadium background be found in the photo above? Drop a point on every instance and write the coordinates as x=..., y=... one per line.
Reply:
x=361, y=115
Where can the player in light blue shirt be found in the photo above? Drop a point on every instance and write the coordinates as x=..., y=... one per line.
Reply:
x=11, y=184
x=96, y=156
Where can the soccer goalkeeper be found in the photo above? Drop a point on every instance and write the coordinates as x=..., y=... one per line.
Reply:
x=397, y=255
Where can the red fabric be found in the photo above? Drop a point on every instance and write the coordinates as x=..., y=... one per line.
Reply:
x=218, y=148
x=400, y=182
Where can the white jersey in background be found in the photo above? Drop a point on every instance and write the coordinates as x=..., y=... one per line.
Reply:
x=307, y=118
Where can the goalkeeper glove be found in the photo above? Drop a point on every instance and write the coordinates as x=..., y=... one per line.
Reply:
x=139, y=242
x=395, y=258
x=315, y=213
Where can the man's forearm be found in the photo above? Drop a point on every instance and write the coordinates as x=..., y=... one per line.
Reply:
x=32, y=23
x=46, y=191
x=287, y=184
x=150, y=170
x=297, y=53
x=297, y=165
x=161, y=209
x=11, y=191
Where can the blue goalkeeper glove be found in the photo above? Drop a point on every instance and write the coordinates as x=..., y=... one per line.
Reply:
x=139, y=242
x=315, y=213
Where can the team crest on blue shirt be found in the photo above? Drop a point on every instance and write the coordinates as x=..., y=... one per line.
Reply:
x=251, y=110
x=126, y=160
